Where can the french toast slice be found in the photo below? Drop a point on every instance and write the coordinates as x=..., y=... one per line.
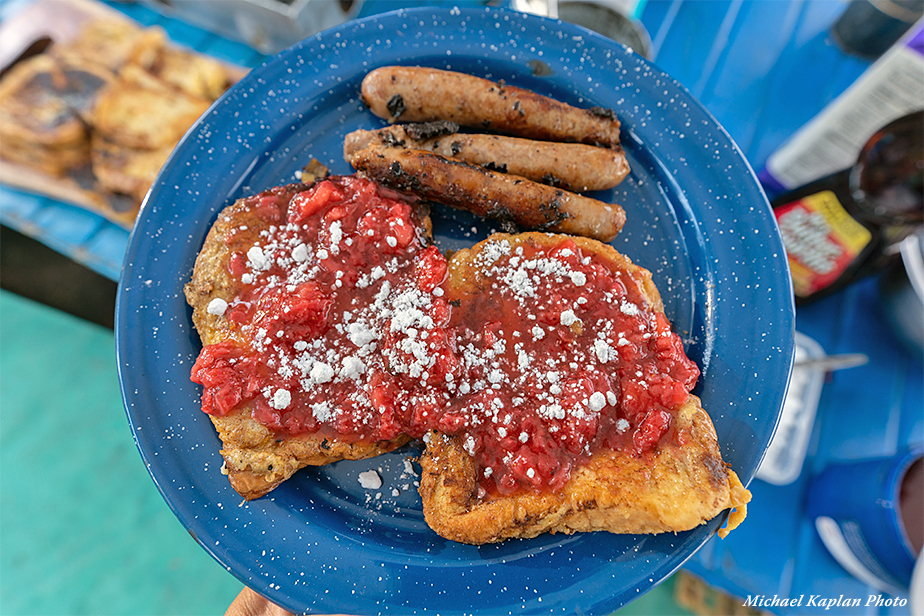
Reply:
x=677, y=488
x=126, y=171
x=522, y=436
x=106, y=42
x=679, y=484
x=43, y=106
x=139, y=111
x=91, y=119
x=195, y=74
x=258, y=458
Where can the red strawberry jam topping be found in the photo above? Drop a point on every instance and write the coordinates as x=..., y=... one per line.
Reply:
x=346, y=322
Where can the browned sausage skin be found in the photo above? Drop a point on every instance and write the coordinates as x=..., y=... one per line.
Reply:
x=487, y=193
x=418, y=94
x=572, y=166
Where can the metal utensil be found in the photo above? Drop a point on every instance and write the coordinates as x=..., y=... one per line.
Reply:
x=829, y=363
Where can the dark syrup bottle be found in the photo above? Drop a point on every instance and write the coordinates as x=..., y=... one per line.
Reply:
x=843, y=227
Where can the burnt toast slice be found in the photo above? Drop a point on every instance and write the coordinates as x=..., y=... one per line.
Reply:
x=43, y=106
x=679, y=484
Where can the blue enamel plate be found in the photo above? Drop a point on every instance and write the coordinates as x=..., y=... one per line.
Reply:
x=322, y=542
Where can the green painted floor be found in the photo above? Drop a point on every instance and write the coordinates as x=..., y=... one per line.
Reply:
x=83, y=529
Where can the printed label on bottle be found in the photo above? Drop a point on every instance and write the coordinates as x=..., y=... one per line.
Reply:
x=821, y=239
x=887, y=90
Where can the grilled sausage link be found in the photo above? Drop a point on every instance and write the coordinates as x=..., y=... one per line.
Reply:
x=572, y=166
x=487, y=193
x=416, y=94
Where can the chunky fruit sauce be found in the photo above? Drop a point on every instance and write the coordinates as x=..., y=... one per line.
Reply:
x=346, y=320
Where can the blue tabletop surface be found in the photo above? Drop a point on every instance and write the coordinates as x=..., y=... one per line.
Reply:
x=760, y=83
x=762, y=68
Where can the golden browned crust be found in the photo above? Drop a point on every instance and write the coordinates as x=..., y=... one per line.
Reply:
x=196, y=75
x=465, y=276
x=211, y=278
x=256, y=459
x=673, y=488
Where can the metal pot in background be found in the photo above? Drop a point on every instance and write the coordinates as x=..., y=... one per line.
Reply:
x=867, y=28
x=868, y=514
x=902, y=292
x=269, y=26
x=613, y=19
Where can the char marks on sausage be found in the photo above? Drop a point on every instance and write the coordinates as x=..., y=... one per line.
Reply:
x=572, y=166
x=419, y=94
x=484, y=192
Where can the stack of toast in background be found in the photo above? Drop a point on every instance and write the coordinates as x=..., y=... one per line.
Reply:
x=91, y=119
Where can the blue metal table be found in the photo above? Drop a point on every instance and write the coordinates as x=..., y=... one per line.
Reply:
x=762, y=68
x=761, y=84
